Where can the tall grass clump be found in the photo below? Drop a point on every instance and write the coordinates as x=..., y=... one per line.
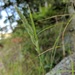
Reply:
x=31, y=30
x=48, y=56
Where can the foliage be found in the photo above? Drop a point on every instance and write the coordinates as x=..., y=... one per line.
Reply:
x=44, y=41
x=41, y=32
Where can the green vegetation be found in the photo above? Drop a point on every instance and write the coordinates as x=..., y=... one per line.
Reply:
x=41, y=47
